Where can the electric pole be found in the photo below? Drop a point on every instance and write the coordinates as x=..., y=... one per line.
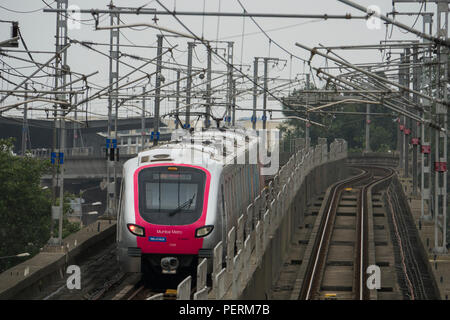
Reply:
x=157, y=90
x=187, y=121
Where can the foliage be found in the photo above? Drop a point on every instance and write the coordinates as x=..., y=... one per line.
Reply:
x=350, y=127
x=24, y=206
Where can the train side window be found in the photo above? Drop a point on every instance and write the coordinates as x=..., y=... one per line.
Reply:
x=121, y=202
x=238, y=190
x=233, y=208
x=258, y=186
x=120, y=213
x=222, y=211
x=252, y=178
x=247, y=185
x=222, y=198
x=228, y=193
x=242, y=186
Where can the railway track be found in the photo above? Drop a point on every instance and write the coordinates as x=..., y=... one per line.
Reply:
x=141, y=292
x=340, y=251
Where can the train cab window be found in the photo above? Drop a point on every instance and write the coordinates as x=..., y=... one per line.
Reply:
x=171, y=197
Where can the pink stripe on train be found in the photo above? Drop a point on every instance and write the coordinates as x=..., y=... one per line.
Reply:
x=164, y=239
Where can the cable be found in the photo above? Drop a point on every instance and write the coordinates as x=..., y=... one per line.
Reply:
x=29, y=53
x=31, y=11
x=417, y=18
x=196, y=56
x=270, y=30
x=265, y=33
x=224, y=60
x=69, y=17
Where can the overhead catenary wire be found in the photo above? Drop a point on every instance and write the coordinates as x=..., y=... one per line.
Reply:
x=220, y=57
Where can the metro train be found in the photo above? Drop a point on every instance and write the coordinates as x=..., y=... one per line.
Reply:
x=178, y=200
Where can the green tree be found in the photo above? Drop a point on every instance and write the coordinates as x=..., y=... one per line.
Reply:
x=350, y=127
x=24, y=206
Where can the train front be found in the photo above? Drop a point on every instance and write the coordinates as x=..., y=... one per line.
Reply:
x=165, y=226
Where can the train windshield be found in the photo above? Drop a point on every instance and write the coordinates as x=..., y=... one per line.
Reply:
x=171, y=195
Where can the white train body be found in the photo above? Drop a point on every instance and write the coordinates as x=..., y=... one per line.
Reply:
x=180, y=199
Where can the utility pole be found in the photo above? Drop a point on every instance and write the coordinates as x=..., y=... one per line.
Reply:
x=440, y=161
x=208, y=87
x=111, y=142
x=157, y=90
x=75, y=124
x=255, y=91
x=229, y=81
x=415, y=124
x=307, y=124
x=407, y=128
x=177, y=101
x=234, y=103
x=265, y=86
x=367, y=146
x=189, y=85
x=60, y=81
x=143, y=120
x=401, y=121
x=264, y=117
x=426, y=177
x=25, y=123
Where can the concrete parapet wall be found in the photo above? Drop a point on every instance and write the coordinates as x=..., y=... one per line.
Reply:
x=25, y=280
x=380, y=159
x=266, y=273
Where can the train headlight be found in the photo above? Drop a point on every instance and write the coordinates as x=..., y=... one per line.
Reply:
x=203, y=231
x=136, y=230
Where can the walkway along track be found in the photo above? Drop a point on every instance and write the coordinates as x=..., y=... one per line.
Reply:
x=416, y=280
x=313, y=285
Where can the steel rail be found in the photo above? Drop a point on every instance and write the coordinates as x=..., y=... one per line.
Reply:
x=361, y=292
x=313, y=271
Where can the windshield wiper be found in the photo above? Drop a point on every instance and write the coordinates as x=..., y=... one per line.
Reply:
x=188, y=203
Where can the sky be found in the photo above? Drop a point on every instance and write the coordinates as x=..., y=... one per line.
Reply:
x=38, y=30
